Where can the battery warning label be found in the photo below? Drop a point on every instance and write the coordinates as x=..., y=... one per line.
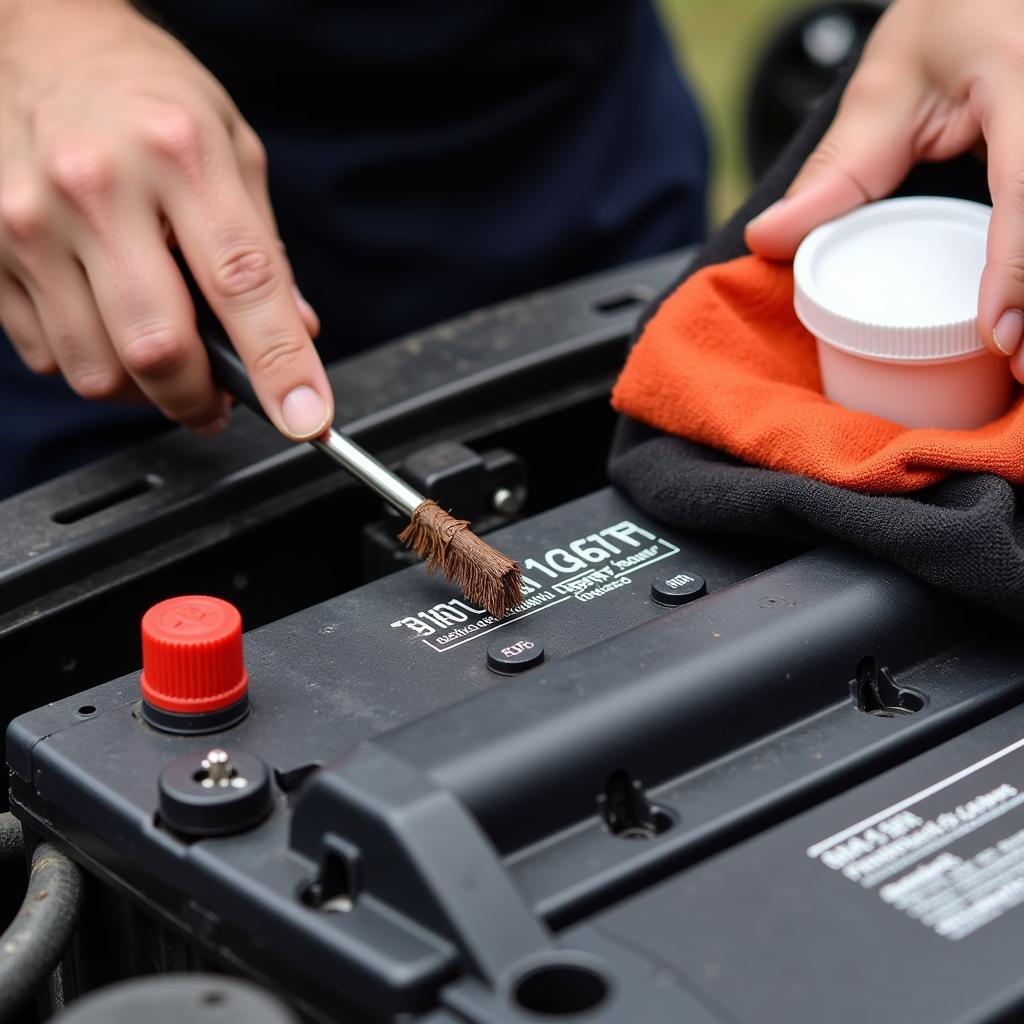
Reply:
x=585, y=569
x=951, y=856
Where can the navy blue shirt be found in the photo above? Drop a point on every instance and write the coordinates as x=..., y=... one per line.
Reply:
x=425, y=159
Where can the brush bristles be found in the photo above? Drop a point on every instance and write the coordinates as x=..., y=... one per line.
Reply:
x=485, y=576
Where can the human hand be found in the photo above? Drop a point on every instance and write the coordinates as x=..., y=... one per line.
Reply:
x=116, y=145
x=937, y=78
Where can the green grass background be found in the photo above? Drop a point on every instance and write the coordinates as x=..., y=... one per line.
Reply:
x=719, y=42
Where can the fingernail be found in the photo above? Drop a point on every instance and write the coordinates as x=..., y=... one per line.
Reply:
x=304, y=412
x=1008, y=331
x=213, y=428
x=305, y=309
x=768, y=211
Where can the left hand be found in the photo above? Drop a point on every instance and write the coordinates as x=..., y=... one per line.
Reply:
x=937, y=78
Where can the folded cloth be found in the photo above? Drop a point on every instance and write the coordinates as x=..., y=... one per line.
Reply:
x=726, y=362
x=965, y=534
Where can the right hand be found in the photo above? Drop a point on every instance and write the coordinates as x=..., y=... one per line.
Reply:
x=936, y=79
x=116, y=145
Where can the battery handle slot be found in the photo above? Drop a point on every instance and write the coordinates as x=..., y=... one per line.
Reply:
x=335, y=888
x=626, y=811
x=876, y=692
x=101, y=502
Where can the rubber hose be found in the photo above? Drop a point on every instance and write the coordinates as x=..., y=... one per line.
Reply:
x=36, y=939
x=11, y=845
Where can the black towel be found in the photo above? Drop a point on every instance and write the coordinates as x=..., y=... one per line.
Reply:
x=964, y=535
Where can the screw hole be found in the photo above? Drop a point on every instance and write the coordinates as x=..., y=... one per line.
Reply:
x=560, y=990
x=87, y=709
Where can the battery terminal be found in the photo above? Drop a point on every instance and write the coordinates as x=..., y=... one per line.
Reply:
x=217, y=772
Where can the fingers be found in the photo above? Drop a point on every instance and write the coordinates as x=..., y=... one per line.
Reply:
x=111, y=308
x=51, y=275
x=1001, y=296
x=149, y=318
x=244, y=278
x=865, y=154
x=74, y=331
x=19, y=320
x=242, y=272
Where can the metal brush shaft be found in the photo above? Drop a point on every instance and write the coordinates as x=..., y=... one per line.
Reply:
x=363, y=466
x=231, y=375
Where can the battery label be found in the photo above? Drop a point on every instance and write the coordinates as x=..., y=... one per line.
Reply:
x=584, y=569
x=950, y=856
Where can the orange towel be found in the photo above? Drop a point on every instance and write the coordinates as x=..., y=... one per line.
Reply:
x=725, y=362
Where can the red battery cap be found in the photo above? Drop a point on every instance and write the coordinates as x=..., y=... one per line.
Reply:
x=192, y=655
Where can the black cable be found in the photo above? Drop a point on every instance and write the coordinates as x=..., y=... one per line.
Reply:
x=36, y=939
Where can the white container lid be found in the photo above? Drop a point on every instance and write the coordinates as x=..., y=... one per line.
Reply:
x=896, y=280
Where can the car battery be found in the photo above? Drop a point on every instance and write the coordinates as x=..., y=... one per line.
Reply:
x=687, y=779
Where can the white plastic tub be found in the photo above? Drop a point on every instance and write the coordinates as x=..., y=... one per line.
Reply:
x=890, y=291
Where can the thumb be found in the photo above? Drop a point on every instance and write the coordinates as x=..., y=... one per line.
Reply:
x=866, y=152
